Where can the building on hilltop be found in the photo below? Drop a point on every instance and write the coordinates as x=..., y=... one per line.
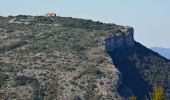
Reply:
x=50, y=14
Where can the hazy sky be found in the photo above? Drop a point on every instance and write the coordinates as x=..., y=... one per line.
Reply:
x=150, y=18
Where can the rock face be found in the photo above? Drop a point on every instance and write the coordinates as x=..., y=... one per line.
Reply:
x=120, y=40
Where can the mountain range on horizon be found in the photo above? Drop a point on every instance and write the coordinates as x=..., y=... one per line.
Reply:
x=162, y=51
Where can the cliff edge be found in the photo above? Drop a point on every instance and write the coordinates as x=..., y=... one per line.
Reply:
x=123, y=40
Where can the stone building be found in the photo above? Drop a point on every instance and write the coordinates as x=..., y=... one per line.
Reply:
x=50, y=14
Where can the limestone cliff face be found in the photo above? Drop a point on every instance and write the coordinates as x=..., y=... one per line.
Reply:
x=117, y=40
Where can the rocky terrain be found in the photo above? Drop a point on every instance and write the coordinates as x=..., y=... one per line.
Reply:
x=64, y=58
x=46, y=58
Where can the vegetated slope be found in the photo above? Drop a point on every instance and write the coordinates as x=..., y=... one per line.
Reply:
x=162, y=51
x=142, y=69
x=56, y=58
x=154, y=68
x=65, y=58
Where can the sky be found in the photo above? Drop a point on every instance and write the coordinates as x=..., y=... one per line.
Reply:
x=150, y=18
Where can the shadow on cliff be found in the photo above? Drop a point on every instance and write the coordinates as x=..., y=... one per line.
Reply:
x=132, y=81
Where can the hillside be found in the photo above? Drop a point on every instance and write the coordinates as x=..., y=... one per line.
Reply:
x=75, y=59
x=56, y=57
x=142, y=69
x=162, y=51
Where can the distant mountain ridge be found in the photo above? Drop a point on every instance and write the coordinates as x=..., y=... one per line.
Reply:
x=162, y=51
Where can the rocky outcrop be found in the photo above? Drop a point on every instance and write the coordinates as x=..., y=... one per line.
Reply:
x=21, y=19
x=118, y=40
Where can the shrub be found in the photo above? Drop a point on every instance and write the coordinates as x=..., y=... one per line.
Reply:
x=133, y=97
x=3, y=78
x=158, y=93
x=23, y=80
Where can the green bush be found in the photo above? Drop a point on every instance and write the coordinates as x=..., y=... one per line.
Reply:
x=3, y=78
x=24, y=80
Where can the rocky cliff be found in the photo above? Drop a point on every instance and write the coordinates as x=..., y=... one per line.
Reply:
x=117, y=40
x=141, y=68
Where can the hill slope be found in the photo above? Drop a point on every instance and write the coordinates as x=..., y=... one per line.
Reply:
x=142, y=69
x=56, y=57
x=162, y=51
x=75, y=59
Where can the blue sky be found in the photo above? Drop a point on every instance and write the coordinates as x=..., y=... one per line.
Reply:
x=150, y=18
